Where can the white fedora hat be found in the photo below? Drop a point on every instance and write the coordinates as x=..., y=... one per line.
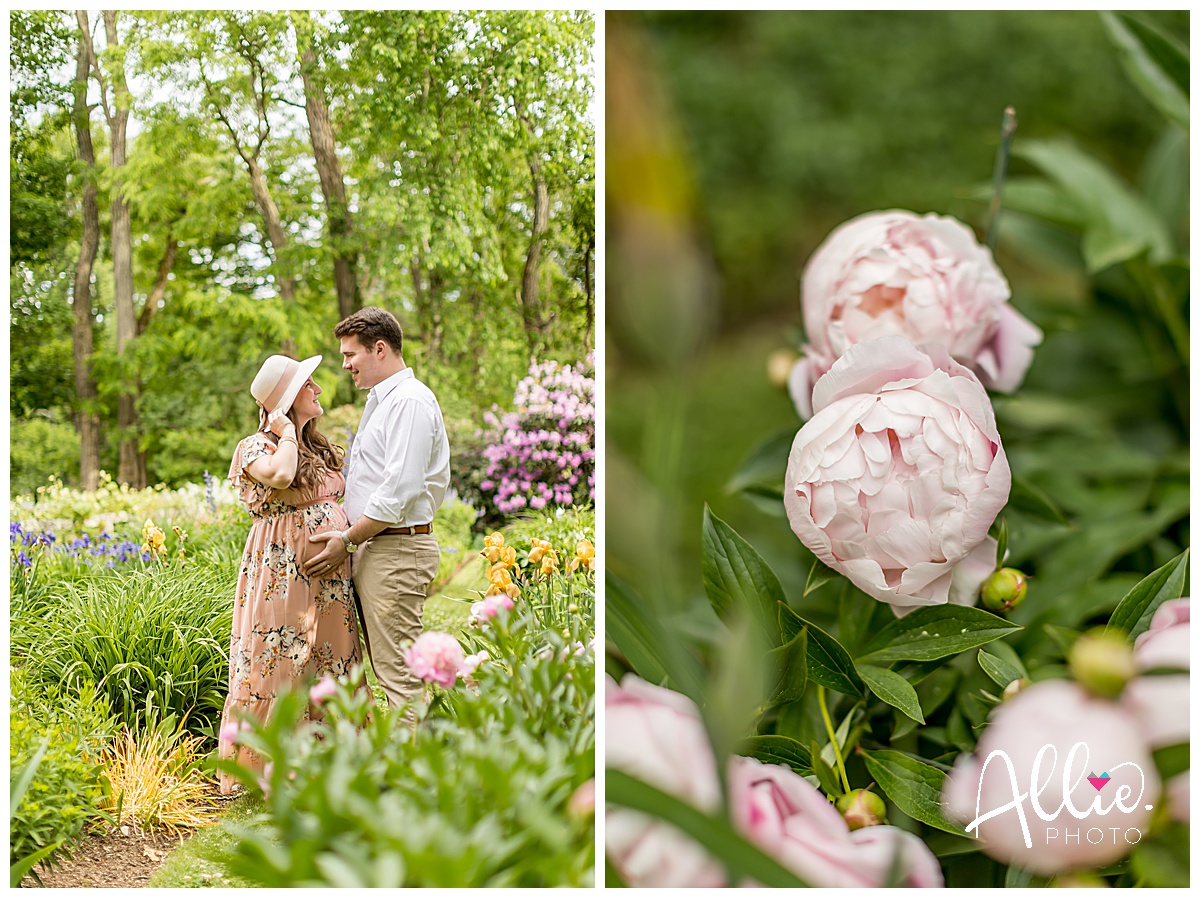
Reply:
x=279, y=380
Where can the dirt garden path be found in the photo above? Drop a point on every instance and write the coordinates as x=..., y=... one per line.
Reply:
x=117, y=858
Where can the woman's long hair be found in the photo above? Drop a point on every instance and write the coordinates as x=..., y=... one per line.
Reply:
x=318, y=456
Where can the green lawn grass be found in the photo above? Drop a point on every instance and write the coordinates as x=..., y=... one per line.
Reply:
x=449, y=609
x=202, y=861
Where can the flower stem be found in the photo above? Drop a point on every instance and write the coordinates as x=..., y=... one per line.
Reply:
x=837, y=752
x=1007, y=127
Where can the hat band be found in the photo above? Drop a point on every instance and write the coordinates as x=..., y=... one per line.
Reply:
x=281, y=385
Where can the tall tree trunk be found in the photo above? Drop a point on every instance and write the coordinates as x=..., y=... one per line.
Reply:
x=131, y=468
x=530, y=306
x=279, y=241
x=160, y=281
x=87, y=421
x=434, y=341
x=275, y=232
x=333, y=187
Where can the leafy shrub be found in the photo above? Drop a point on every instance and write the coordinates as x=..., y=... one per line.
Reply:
x=37, y=445
x=157, y=638
x=543, y=453
x=353, y=802
x=67, y=786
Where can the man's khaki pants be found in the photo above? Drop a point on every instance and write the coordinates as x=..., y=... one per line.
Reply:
x=392, y=574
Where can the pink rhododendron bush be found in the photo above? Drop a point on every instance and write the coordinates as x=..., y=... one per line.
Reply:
x=940, y=631
x=542, y=454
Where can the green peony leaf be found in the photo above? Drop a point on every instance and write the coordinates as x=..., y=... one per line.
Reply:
x=830, y=784
x=913, y=785
x=818, y=576
x=774, y=749
x=1120, y=224
x=736, y=576
x=828, y=662
x=791, y=669
x=892, y=688
x=1157, y=64
x=1030, y=498
x=935, y=632
x=999, y=670
x=1133, y=614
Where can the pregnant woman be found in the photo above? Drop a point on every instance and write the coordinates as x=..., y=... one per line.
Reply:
x=289, y=628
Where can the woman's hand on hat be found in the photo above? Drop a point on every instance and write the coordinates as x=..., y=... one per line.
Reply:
x=281, y=425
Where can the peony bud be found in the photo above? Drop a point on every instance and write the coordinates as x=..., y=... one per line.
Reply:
x=1015, y=686
x=1102, y=663
x=1004, y=590
x=322, y=690
x=861, y=809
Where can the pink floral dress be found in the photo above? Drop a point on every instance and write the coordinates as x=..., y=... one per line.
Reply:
x=289, y=628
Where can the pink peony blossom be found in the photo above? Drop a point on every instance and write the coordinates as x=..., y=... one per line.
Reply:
x=657, y=735
x=896, y=479
x=435, y=658
x=471, y=663
x=489, y=607
x=1161, y=701
x=322, y=690
x=1105, y=739
x=794, y=823
x=921, y=277
x=229, y=731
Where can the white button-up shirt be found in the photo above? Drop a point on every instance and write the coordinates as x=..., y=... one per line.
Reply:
x=399, y=464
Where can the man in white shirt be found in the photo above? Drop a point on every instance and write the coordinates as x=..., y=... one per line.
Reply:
x=398, y=471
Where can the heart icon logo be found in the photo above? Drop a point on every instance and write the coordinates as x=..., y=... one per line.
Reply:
x=1098, y=782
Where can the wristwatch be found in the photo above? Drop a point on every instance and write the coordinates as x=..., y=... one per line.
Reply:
x=350, y=547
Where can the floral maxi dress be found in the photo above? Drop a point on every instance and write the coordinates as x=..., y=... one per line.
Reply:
x=288, y=628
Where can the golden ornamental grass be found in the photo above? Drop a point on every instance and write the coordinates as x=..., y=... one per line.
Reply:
x=156, y=782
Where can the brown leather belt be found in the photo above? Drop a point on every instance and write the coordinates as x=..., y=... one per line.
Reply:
x=406, y=531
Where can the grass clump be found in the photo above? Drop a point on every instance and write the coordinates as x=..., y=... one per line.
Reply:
x=157, y=781
x=157, y=638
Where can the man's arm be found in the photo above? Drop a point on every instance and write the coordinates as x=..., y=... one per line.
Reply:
x=334, y=551
x=406, y=456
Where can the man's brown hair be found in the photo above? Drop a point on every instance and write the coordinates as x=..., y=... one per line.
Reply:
x=370, y=325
